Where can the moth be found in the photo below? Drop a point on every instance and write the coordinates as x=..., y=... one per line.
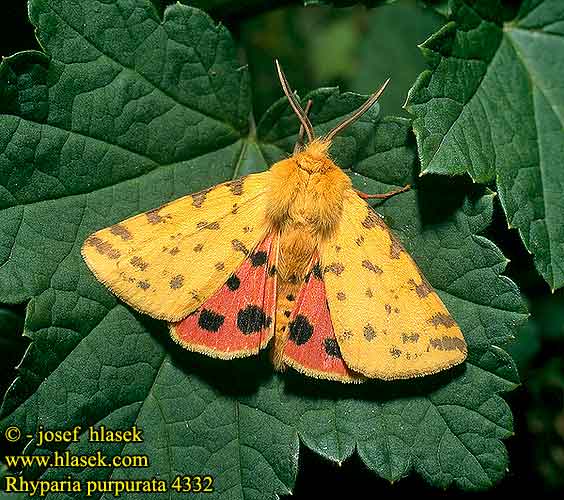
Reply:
x=293, y=258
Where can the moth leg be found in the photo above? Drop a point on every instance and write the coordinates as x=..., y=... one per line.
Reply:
x=383, y=196
x=300, y=139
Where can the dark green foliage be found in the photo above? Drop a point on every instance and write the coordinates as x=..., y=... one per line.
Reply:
x=130, y=106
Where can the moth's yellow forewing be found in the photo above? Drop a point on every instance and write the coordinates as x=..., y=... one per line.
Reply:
x=388, y=321
x=167, y=261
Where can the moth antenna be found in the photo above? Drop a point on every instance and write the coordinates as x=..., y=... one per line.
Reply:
x=294, y=102
x=358, y=113
x=299, y=140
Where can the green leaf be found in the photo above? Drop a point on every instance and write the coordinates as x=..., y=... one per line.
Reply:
x=127, y=111
x=247, y=8
x=11, y=324
x=491, y=105
x=544, y=326
x=548, y=313
x=526, y=345
x=440, y=6
x=319, y=47
x=347, y=3
x=393, y=30
x=12, y=343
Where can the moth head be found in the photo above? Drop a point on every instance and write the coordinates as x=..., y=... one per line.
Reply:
x=317, y=148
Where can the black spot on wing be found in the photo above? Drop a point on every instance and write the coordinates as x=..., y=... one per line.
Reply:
x=395, y=248
x=210, y=320
x=236, y=186
x=198, y=199
x=144, y=285
x=239, y=246
x=252, y=319
x=372, y=220
x=233, y=282
x=317, y=271
x=258, y=258
x=336, y=268
x=369, y=332
x=346, y=335
x=371, y=267
x=423, y=289
x=103, y=247
x=301, y=330
x=442, y=319
x=395, y=352
x=177, y=281
x=139, y=263
x=332, y=348
x=154, y=217
x=447, y=343
x=121, y=231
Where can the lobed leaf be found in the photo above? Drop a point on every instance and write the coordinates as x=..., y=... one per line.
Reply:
x=126, y=111
x=491, y=105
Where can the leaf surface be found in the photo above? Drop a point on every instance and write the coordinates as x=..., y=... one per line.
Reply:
x=492, y=105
